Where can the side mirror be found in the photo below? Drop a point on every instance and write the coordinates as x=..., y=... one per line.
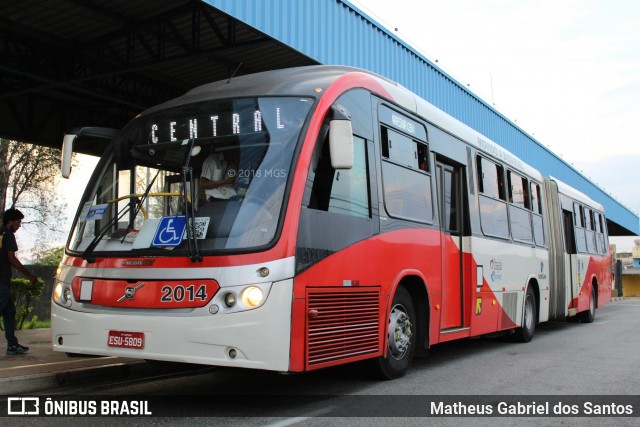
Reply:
x=340, y=139
x=89, y=140
x=67, y=154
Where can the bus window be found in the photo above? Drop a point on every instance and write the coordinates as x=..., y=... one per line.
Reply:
x=491, y=179
x=581, y=243
x=590, y=231
x=518, y=187
x=349, y=192
x=399, y=148
x=407, y=193
x=423, y=157
x=536, y=215
x=600, y=239
x=342, y=191
x=536, y=200
x=569, y=232
x=493, y=207
x=520, y=217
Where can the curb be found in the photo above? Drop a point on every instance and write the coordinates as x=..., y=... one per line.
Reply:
x=614, y=299
x=137, y=369
x=39, y=382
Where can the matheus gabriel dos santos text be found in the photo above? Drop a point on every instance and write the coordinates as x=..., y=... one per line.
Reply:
x=530, y=408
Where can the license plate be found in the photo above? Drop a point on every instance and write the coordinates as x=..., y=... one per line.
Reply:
x=125, y=339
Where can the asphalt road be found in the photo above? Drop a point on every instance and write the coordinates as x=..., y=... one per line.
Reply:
x=562, y=361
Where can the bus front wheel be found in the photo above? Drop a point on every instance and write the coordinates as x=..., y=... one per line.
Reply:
x=401, y=337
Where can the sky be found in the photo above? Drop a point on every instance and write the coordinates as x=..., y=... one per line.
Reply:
x=565, y=71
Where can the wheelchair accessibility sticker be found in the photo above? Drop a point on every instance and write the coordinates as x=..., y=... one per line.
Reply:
x=170, y=231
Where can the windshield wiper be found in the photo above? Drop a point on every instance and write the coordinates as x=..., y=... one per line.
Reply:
x=189, y=212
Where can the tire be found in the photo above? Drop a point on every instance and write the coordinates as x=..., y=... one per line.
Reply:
x=590, y=315
x=527, y=330
x=401, y=336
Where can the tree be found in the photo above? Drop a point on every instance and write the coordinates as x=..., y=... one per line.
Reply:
x=49, y=257
x=28, y=181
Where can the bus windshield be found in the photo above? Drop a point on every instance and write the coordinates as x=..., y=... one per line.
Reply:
x=210, y=175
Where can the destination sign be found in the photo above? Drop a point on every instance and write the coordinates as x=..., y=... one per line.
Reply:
x=225, y=118
x=402, y=123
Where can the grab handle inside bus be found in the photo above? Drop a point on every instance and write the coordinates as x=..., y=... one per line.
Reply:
x=340, y=139
x=67, y=154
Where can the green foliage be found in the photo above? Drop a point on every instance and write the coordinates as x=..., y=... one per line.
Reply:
x=24, y=295
x=31, y=324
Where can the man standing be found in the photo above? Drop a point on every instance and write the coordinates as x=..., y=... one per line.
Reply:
x=11, y=221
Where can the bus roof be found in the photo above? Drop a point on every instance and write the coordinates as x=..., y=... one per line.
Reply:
x=574, y=194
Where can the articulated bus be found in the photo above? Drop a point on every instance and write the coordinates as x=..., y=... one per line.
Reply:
x=358, y=222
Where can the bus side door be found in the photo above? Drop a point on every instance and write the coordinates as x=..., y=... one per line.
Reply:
x=449, y=184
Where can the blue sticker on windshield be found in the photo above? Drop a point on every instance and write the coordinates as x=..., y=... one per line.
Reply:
x=170, y=231
x=96, y=212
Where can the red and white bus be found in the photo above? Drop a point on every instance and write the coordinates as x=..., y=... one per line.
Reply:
x=361, y=223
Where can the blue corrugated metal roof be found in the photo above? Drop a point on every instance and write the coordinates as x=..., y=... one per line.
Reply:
x=337, y=32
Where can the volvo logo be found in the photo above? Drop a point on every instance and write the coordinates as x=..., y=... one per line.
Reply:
x=130, y=292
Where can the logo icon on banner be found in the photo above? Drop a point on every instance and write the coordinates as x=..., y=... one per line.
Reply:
x=23, y=406
x=170, y=231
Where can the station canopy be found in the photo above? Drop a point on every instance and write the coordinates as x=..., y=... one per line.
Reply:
x=71, y=63
x=66, y=64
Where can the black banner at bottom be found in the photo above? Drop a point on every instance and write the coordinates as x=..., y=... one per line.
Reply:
x=321, y=406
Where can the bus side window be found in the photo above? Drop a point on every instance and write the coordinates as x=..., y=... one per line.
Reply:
x=590, y=234
x=536, y=210
x=520, y=214
x=581, y=243
x=491, y=179
x=423, y=157
x=342, y=191
x=518, y=190
x=569, y=232
x=599, y=234
x=493, y=206
x=536, y=200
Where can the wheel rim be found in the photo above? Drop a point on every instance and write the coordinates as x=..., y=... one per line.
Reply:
x=399, y=332
x=528, y=314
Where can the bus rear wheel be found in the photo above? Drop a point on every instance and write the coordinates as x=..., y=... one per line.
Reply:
x=401, y=337
x=529, y=320
x=590, y=315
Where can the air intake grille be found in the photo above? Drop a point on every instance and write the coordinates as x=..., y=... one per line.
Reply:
x=342, y=324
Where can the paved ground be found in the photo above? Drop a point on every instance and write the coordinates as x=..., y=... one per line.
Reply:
x=43, y=368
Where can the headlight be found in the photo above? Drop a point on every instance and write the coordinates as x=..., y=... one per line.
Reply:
x=235, y=299
x=57, y=292
x=62, y=295
x=252, y=296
